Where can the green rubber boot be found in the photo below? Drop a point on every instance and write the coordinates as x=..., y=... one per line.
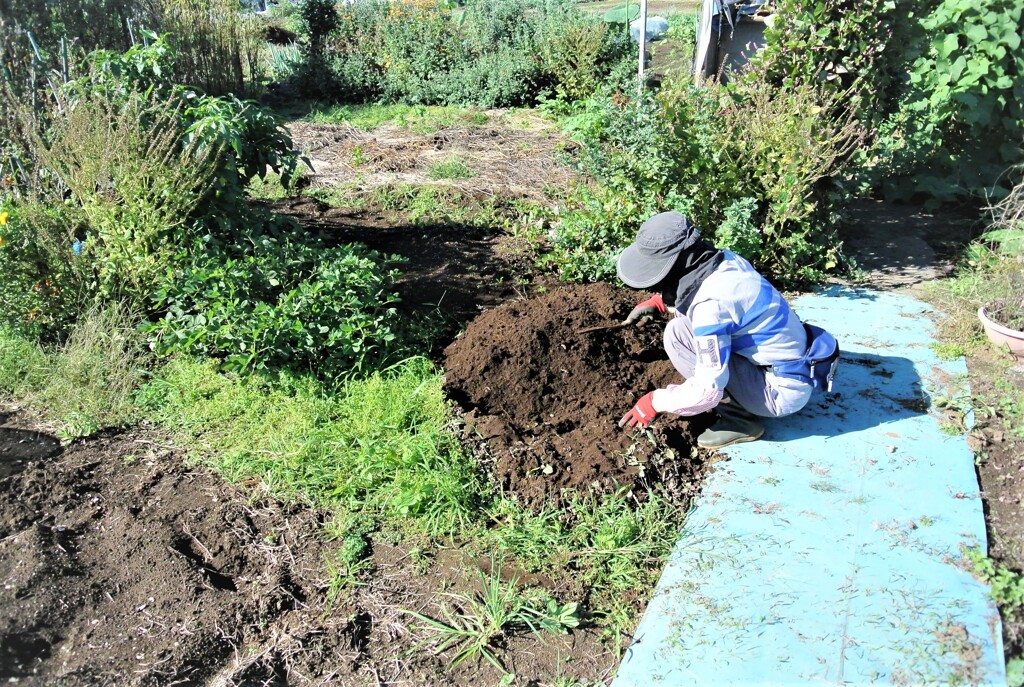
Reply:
x=733, y=426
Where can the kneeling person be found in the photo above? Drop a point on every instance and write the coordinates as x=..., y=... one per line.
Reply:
x=732, y=336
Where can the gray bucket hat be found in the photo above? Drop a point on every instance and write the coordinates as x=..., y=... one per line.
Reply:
x=659, y=242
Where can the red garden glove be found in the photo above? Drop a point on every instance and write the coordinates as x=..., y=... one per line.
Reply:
x=640, y=414
x=652, y=306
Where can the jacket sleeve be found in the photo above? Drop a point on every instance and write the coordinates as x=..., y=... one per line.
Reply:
x=712, y=329
x=686, y=399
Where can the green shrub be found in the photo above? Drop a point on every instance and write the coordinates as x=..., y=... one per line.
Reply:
x=961, y=117
x=572, y=51
x=44, y=283
x=285, y=303
x=648, y=154
x=495, y=53
x=505, y=78
x=129, y=171
x=318, y=19
x=133, y=185
x=784, y=147
x=933, y=82
x=752, y=165
x=418, y=48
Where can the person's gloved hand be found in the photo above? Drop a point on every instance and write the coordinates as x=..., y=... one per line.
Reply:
x=640, y=414
x=652, y=306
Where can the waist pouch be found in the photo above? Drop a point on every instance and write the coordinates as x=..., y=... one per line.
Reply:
x=818, y=365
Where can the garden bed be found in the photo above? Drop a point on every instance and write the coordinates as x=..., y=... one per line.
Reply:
x=122, y=565
x=123, y=561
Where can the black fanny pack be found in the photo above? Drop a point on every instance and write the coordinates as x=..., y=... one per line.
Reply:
x=818, y=365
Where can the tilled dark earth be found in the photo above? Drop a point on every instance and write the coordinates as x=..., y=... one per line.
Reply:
x=547, y=398
x=121, y=565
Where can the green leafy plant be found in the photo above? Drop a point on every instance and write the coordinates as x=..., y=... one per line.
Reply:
x=128, y=171
x=1015, y=672
x=1007, y=585
x=964, y=121
x=284, y=304
x=351, y=558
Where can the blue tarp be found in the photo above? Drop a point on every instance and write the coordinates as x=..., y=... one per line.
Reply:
x=830, y=551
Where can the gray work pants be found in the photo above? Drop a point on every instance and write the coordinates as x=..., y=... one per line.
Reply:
x=753, y=387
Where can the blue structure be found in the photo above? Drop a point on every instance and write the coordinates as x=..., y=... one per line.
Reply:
x=830, y=552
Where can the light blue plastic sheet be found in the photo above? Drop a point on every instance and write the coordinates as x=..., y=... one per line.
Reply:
x=830, y=552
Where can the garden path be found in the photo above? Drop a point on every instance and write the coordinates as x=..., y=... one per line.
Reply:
x=830, y=552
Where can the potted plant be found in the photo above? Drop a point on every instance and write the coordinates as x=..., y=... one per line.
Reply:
x=1003, y=318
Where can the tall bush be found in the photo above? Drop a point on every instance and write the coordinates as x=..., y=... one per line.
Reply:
x=117, y=172
x=493, y=53
x=753, y=165
x=935, y=83
x=961, y=117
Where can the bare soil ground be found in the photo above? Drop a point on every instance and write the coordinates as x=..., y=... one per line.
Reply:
x=122, y=565
x=511, y=156
x=1001, y=471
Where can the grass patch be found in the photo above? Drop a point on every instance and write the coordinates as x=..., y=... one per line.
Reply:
x=985, y=277
x=612, y=546
x=379, y=447
x=86, y=384
x=23, y=364
x=420, y=118
x=452, y=168
x=471, y=626
x=337, y=196
x=269, y=187
x=443, y=204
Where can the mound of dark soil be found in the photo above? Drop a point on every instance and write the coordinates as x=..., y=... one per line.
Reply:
x=547, y=399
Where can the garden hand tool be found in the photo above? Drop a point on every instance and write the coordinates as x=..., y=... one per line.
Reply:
x=615, y=325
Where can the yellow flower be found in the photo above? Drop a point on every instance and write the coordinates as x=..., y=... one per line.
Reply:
x=2, y=242
x=3, y=219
